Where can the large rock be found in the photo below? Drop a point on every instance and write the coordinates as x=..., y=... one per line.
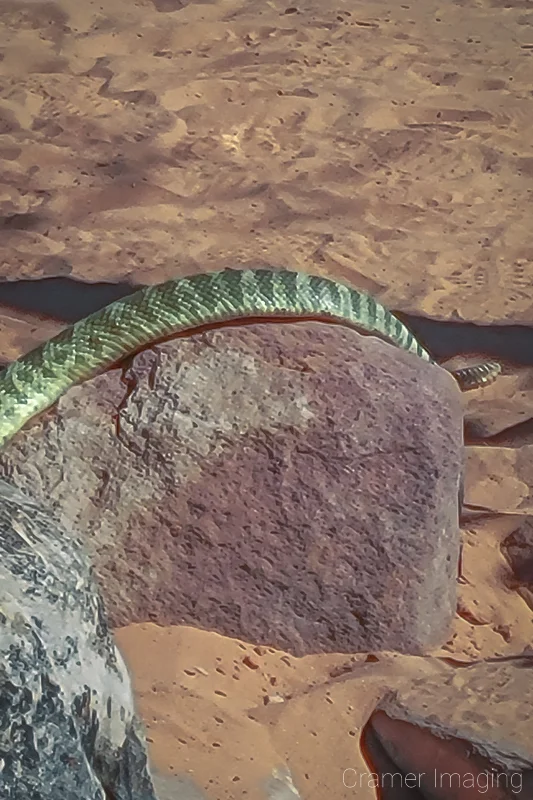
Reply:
x=294, y=485
x=68, y=727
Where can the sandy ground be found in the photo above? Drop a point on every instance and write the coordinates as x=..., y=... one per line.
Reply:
x=382, y=143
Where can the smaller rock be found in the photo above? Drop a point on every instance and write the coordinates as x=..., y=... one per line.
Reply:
x=68, y=727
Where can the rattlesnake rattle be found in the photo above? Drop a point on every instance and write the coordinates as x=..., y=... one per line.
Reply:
x=35, y=381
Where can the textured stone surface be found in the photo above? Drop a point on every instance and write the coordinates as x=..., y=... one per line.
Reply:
x=288, y=484
x=502, y=409
x=500, y=479
x=68, y=727
x=488, y=703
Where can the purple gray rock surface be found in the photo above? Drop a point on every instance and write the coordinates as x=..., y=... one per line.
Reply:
x=294, y=485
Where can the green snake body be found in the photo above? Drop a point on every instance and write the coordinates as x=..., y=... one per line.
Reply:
x=34, y=382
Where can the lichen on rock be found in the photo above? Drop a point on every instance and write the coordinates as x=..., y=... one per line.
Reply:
x=68, y=727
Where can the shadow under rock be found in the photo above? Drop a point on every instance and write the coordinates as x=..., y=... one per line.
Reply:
x=512, y=344
x=437, y=768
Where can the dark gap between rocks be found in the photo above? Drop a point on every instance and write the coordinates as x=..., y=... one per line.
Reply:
x=512, y=344
x=392, y=784
x=61, y=299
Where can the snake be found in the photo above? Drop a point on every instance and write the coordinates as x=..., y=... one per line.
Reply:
x=155, y=313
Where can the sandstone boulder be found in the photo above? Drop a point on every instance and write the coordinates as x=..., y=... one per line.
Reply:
x=295, y=485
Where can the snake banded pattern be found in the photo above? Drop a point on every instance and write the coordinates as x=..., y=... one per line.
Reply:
x=35, y=381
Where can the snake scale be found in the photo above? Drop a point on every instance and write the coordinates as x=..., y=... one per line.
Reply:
x=34, y=382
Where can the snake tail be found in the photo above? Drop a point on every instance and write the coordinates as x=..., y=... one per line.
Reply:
x=477, y=375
